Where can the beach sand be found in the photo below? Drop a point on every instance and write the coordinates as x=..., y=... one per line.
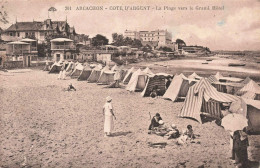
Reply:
x=44, y=126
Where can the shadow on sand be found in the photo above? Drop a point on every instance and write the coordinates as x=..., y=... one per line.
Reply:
x=120, y=134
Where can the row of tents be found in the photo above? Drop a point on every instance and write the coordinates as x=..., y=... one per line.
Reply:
x=201, y=95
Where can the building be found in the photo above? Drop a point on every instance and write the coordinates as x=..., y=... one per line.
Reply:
x=62, y=49
x=156, y=38
x=21, y=51
x=37, y=30
x=194, y=50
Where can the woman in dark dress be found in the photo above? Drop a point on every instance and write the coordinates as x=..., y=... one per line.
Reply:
x=155, y=121
x=240, y=144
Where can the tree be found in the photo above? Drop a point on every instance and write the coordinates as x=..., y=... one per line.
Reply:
x=3, y=13
x=99, y=40
x=165, y=49
x=120, y=40
x=180, y=43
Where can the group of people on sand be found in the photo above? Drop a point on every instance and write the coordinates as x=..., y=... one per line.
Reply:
x=158, y=127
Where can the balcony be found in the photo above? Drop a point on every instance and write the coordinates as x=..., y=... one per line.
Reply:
x=63, y=47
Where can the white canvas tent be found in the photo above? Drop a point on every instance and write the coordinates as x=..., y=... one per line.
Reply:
x=55, y=68
x=194, y=76
x=106, y=77
x=202, y=97
x=251, y=91
x=137, y=81
x=95, y=74
x=85, y=73
x=179, y=87
x=128, y=75
x=76, y=72
x=250, y=109
x=148, y=71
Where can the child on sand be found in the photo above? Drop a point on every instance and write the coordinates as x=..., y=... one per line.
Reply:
x=187, y=135
x=71, y=88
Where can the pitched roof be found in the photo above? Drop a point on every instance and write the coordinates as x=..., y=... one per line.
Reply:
x=25, y=26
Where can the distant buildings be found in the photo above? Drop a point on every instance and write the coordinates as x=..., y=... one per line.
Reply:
x=156, y=38
x=194, y=50
x=62, y=49
x=39, y=30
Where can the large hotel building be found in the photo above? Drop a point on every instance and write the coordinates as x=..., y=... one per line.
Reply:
x=155, y=38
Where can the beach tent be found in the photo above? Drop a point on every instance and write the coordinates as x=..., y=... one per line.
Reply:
x=137, y=81
x=147, y=70
x=212, y=79
x=85, y=73
x=70, y=66
x=246, y=81
x=250, y=109
x=179, y=87
x=95, y=74
x=76, y=72
x=128, y=75
x=221, y=78
x=251, y=91
x=56, y=67
x=155, y=80
x=194, y=76
x=227, y=87
x=114, y=68
x=106, y=77
x=202, y=97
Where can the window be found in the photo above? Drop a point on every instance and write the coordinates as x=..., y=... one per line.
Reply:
x=18, y=34
x=11, y=34
x=26, y=34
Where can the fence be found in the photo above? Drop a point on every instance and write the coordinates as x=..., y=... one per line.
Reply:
x=12, y=64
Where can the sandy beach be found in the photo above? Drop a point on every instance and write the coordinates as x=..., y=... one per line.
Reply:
x=44, y=126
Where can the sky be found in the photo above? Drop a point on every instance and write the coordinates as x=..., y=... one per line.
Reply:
x=234, y=26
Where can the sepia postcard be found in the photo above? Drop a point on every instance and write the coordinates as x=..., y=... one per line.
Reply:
x=129, y=84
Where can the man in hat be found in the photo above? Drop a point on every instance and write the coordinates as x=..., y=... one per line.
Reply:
x=109, y=115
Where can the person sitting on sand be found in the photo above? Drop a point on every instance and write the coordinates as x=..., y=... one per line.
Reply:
x=173, y=132
x=70, y=88
x=155, y=122
x=155, y=92
x=187, y=135
x=189, y=132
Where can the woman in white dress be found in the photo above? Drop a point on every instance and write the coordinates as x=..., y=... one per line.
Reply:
x=109, y=114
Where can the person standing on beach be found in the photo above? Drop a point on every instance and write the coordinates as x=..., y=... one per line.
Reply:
x=109, y=114
x=240, y=144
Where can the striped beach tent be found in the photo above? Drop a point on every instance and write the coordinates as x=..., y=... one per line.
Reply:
x=179, y=87
x=212, y=79
x=155, y=80
x=202, y=97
